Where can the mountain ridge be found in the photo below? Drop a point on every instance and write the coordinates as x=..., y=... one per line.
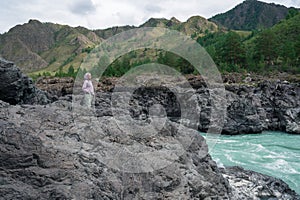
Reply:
x=36, y=46
x=49, y=43
x=252, y=14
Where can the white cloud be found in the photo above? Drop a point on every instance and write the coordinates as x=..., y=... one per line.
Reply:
x=82, y=7
x=97, y=14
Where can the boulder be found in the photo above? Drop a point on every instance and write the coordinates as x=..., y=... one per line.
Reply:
x=17, y=88
x=246, y=184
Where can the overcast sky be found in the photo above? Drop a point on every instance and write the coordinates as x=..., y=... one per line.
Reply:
x=99, y=14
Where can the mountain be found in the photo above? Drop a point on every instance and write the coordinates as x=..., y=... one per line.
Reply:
x=279, y=45
x=251, y=14
x=195, y=26
x=45, y=48
x=34, y=45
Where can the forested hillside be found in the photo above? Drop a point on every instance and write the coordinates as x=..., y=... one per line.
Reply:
x=275, y=48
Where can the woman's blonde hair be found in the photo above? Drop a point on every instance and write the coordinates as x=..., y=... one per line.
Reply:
x=86, y=76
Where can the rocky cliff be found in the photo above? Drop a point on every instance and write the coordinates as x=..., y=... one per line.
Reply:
x=265, y=106
x=65, y=151
x=251, y=107
x=56, y=86
x=51, y=153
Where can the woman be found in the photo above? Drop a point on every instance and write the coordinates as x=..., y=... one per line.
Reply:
x=88, y=90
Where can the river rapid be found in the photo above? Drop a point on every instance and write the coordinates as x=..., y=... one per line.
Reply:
x=273, y=153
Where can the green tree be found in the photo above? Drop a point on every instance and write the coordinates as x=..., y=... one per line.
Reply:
x=185, y=67
x=60, y=72
x=71, y=71
x=46, y=74
x=266, y=47
x=292, y=13
x=232, y=50
x=288, y=53
x=297, y=52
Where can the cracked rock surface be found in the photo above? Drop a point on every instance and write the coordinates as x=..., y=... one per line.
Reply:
x=50, y=152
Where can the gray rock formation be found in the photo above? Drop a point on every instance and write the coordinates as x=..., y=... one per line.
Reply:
x=17, y=88
x=50, y=152
x=250, y=109
x=247, y=184
x=53, y=152
x=64, y=151
x=56, y=86
x=267, y=106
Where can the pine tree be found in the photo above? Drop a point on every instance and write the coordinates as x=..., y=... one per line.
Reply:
x=232, y=50
x=71, y=71
x=266, y=47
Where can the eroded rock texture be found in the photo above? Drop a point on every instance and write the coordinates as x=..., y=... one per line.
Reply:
x=17, y=88
x=52, y=153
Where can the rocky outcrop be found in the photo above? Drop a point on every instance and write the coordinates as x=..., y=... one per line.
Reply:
x=255, y=108
x=53, y=153
x=56, y=86
x=56, y=152
x=65, y=151
x=17, y=88
x=247, y=184
x=251, y=107
x=266, y=106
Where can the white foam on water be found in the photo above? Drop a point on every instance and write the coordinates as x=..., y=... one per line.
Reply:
x=275, y=154
x=227, y=141
x=283, y=166
x=219, y=163
x=232, y=160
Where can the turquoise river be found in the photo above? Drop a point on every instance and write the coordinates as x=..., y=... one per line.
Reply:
x=273, y=153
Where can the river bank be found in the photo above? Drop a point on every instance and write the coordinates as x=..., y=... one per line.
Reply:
x=61, y=150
